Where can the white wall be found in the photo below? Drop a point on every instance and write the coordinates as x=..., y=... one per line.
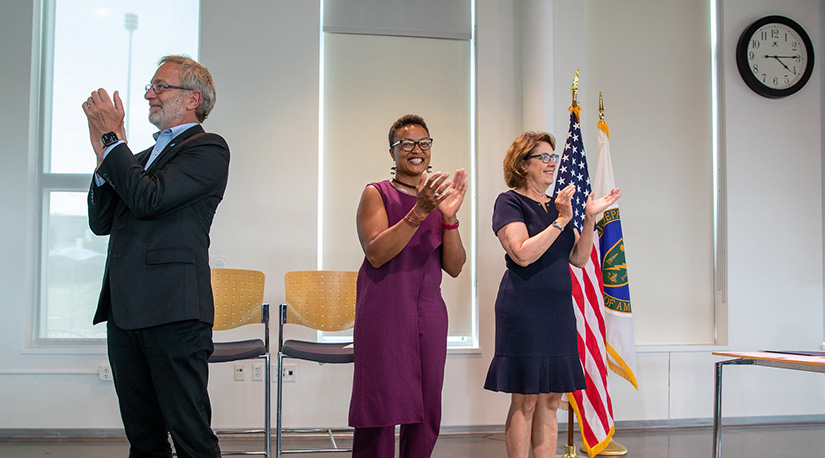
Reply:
x=264, y=58
x=774, y=154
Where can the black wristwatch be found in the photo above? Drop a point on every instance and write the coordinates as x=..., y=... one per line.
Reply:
x=109, y=138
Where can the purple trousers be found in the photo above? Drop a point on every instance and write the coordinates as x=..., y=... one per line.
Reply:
x=417, y=439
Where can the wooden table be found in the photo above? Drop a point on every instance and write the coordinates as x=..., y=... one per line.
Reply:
x=810, y=362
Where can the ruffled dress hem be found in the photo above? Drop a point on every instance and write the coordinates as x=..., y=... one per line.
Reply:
x=535, y=375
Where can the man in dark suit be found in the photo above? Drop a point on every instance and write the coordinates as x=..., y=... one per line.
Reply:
x=157, y=208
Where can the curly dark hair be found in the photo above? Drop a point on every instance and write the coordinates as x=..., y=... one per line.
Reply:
x=406, y=120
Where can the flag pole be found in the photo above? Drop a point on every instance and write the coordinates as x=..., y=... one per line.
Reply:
x=613, y=448
x=570, y=448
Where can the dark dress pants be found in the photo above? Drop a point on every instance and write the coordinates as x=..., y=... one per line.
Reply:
x=161, y=376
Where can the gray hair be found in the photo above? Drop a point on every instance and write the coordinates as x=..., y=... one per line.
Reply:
x=194, y=76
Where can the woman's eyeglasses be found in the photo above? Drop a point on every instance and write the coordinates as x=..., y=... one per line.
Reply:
x=546, y=158
x=408, y=144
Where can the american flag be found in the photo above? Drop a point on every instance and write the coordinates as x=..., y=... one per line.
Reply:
x=592, y=405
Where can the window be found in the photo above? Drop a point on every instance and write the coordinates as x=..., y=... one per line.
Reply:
x=379, y=62
x=87, y=44
x=669, y=153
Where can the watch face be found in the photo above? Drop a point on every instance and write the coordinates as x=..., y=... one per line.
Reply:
x=775, y=56
x=109, y=138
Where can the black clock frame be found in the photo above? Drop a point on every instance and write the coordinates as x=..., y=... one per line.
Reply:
x=744, y=67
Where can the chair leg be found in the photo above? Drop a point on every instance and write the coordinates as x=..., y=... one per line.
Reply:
x=279, y=397
x=268, y=408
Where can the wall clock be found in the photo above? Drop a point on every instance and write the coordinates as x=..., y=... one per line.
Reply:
x=775, y=56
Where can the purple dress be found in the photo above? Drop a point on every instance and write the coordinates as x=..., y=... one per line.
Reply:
x=400, y=329
x=536, y=339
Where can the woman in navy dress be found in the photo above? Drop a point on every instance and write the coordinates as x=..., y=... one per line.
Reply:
x=407, y=227
x=536, y=356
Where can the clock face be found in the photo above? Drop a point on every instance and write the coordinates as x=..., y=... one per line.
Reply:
x=775, y=56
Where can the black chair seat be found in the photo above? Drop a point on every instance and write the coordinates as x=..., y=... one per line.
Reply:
x=336, y=353
x=234, y=351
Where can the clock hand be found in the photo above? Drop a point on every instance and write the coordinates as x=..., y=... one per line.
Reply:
x=782, y=57
x=783, y=63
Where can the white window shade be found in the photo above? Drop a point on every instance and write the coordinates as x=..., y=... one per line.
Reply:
x=421, y=18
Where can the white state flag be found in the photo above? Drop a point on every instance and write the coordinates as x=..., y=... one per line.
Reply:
x=621, y=347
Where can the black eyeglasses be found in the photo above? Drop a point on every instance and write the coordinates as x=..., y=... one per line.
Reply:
x=408, y=144
x=157, y=88
x=546, y=158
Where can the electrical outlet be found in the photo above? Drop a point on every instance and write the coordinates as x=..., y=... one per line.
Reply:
x=104, y=372
x=258, y=372
x=239, y=372
x=289, y=373
x=218, y=262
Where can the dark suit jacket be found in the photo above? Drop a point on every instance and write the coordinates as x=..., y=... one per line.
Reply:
x=158, y=220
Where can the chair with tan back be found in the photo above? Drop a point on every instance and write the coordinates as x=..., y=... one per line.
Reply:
x=324, y=301
x=239, y=301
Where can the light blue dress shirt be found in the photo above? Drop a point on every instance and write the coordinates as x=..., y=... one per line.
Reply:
x=162, y=139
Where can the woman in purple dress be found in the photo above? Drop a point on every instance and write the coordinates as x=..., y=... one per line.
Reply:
x=536, y=357
x=407, y=227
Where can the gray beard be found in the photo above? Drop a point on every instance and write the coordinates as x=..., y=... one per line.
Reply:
x=168, y=114
x=159, y=119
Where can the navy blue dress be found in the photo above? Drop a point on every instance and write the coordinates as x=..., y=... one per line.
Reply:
x=536, y=343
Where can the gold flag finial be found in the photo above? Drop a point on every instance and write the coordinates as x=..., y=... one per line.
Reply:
x=602, y=125
x=574, y=89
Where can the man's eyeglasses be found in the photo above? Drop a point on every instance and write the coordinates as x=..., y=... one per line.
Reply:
x=408, y=144
x=546, y=158
x=157, y=88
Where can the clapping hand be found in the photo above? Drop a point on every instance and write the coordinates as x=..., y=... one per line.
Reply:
x=103, y=116
x=431, y=191
x=594, y=207
x=452, y=198
x=564, y=203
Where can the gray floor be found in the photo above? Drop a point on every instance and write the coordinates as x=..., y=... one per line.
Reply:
x=787, y=441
